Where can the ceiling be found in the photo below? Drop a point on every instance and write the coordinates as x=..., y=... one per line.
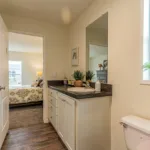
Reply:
x=100, y=23
x=25, y=43
x=46, y=10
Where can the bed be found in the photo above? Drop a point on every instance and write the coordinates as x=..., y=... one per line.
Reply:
x=25, y=95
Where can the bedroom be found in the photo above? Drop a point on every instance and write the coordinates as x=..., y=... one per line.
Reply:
x=25, y=79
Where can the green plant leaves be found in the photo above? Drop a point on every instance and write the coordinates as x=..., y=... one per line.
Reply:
x=146, y=66
x=89, y=75
x=78, y=75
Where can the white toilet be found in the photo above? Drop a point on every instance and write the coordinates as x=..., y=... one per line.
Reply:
x=136, y=132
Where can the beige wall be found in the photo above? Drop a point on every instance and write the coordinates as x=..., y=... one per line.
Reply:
x=55, y=47
x=124, y=55
x=31, y=64
x=55, y=41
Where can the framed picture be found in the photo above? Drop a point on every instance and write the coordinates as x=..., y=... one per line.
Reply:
x=75, y=57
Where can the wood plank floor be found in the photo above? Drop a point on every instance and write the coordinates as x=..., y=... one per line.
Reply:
x=25, y=116
x=34, y=137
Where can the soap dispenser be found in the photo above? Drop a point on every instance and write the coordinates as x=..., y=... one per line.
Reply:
x=65, y=81
x=98, y=86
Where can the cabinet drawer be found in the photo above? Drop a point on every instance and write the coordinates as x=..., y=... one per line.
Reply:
x=53, y=101
x=54, y=122
x=53, y=93
x=53, y=116
x=49, y=103
x=53, y=110
x=49, y=115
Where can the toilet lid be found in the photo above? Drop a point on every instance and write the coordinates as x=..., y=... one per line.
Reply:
x=137, y=123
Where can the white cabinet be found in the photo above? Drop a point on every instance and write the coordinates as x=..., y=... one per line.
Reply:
x=70, y=124
x=53, y=115
x=81, y=124
x=66, y=120
x=61, y=118
x=52, y=108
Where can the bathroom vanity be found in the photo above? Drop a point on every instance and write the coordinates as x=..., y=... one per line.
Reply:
x=81, y=120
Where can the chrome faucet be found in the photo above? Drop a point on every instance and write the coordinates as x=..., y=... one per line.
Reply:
x=87, y=85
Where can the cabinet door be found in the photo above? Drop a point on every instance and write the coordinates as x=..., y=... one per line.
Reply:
x=70, y=123
x=61, y=117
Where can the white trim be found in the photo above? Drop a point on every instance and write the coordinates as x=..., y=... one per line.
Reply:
x=46, y=120
x=141, y=39
x=142, y=82
x=145, y=82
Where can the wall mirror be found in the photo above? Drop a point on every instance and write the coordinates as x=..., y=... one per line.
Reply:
x=97, y=48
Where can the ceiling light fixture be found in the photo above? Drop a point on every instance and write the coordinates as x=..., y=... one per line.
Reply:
x=66, y=15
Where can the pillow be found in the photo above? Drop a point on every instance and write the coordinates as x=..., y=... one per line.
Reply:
x=39, y=82
x=34, y=84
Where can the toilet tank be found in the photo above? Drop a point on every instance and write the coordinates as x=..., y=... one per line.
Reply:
x=136, y=132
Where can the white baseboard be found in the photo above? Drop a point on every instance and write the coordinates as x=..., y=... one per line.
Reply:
x=46, y=120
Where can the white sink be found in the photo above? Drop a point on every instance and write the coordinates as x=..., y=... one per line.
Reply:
x=81, y=90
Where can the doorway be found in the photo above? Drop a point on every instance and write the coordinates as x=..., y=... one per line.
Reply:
x=25, y=79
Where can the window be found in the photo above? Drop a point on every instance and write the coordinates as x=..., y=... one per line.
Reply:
x=146, y=39
x=15, y=73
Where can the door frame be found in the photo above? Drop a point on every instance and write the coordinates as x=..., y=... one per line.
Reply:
x=45, y=90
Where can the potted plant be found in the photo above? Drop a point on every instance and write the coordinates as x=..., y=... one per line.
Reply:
x=89, y=75
x=78, y=76
x=146, y=66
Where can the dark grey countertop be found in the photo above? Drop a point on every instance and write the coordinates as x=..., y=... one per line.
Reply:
x=63, y=89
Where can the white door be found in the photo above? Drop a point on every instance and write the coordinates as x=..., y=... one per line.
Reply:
x=61, y=117
x=4, y=100
x=70, y=123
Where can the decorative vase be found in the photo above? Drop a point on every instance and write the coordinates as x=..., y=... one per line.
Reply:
x=78, y=83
